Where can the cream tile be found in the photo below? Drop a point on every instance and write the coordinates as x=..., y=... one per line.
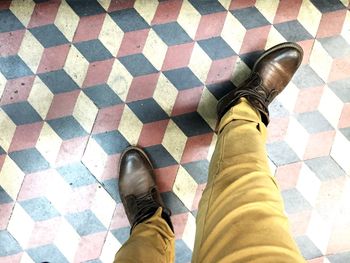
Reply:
x=212, y=147
x=128, y=120
x=189, y=18
x=21, y=225
x=289, y=97
x=23, y=10
x=189, y=233
x=110, y=248
x=155, y=49
x=274, y=38
x=207, y=108
x=240, y=73
x=26, y=258
x=200, y=63
x=94, y=158
x=103, y=206
x=85, y=112
x=272, y=167
x=3, y=81
x=76, y=66
x=185, y=187
x=104, y=3
x=320, y=61
x=308, y=184
x=40, y=97
x=7, y=130
x=319, y=232
x=345, y=2
x=267, y=8
x=31, y=51
x=11, y=178
x=146, y=9
x=174, y=140
x=66, y=20
x=233, y=37
x=111, y=35
x=165, y=94
x=48, y=144
x=225, y=3
x=309, y=17
x=297, y=137
x=120, y=80
x=346, y=28
x=341, y=151
x=330, y=106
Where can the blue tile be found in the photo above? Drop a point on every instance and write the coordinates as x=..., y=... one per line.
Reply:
x=182, y=78
x=85, y=222
x=29, y=160
x=307, y=248
x=148, y=110
x=342, y=257
x=205, y=7
x=93, y=50
x=216, y=48
x=13, y=67
x=173, y=203
x=293, y=31
x=250, y=17
x=328, y=6
x=277, y=110
x=102, y=96
x=111, y=186
x=86, y=7
x=159, y=156
x=172, y=33
x=9, y=22
x=21, y=113
x=336, y=46
x=8, y=245
x=294, y=201
x=112, y=142
x=4, y=197
x=76, y=174
x=137, y=65
x=129, y=20
x=49, y=35
x=306, y=77
x=182, y=252
x=221, y=89
x=345, y=132
x=198, y=170
x=341, y=89
x=39, y=208
x=122, y=234
x=47, y=253
x=314, y=122
x=325, y=168
x=192, y=124
x=67, y=127
x=2, y=151
x=58, y=81
x=250, y=58
x=94, y=261
x=280, y=153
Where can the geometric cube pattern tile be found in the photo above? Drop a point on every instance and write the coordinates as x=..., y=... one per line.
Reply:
x=81, y=81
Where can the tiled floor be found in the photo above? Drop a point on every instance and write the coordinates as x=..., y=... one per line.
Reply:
x=79, y=81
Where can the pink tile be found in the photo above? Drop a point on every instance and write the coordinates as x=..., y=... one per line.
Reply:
x=5, y=4
x=10, y=42
x=308, y=99
x=133, y=42
x=81, y=198
x=53, y=58
x=198, y=196
x=167, y=11
x=307, y=46
x=174, y=60
x=179, y=222
x=340, y=69
x=277, y=129
x=71, y=150
x=255, y=39
x=344, y=120
x=119, y=218
x=142, y=87
x=108, y=119
x=12, y=258
x=319, y=144
x=287, y=10
x=17, y=90
x=152, y=133
x=317, y=260
x=2, y=160
x=26, y=136
x=221, y=70
x=44, y=13
x=98, y=72
x=120, y=5
x=187, y=101
x=111, y=167
x=287, y=175
x=196, y=148
x=89, y=27
x=237, y=4
x=210, y=25
x=331, y=24
x=63, y=104
x=5, y=212
x=90, y=247
x=299, y=222
x=165, y=177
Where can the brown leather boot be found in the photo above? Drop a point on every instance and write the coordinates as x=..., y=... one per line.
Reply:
x=270, y=75
x=137, y=188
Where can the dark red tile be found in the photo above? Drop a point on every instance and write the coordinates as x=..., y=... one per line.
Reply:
x=5, y=211
x=178, y=56
x=44, y=13
x=319, y=144
x=133, y=42
x=165, y=177
x=142, y=87
x=90, y=247
x=210, y=25
x=308, y=99
x=26, y=136
x=120, y=5
x=89, y=27
x=340, y=69
x=221, y=70
x=152, y=133
x=255, y=39
x=44, y=232
x=17, y=90
x=237, y=4
x=287, y=175
x=119, y=218
x=331, y=23
x=287, y=11
x=98, y=72
x=187, y=101
x=2, y=160
x=277, y=129
x=63, y=104
x=5, y=4
x=71, y=150
x=196, y=148
x=53, y=58
x=167, y=11
x=108, y=119
x=344, y=121
x=10, y=42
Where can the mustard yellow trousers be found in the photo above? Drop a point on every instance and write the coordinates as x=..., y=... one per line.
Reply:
x=240, y=216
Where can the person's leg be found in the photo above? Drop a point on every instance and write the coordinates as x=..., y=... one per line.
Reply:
x=152, y=236
x=241, y=216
